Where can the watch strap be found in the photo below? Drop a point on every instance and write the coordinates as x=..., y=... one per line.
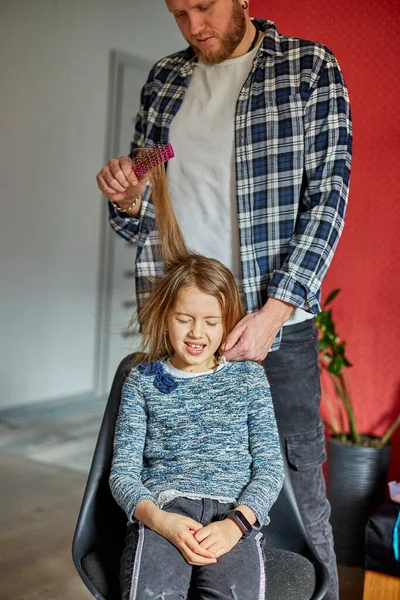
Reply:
x=240, y=520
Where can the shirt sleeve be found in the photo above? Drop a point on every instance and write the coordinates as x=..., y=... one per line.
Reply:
x=129, y=440
x=128, y=227
x=327, y=161
x=267, y=464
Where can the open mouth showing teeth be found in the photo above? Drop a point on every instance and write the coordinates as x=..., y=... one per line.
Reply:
x=195, y=346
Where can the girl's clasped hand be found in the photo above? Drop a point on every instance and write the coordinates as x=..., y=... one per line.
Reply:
x=199, y=545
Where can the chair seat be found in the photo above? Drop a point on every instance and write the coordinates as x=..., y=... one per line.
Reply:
x=290, y=576
x=98, y=568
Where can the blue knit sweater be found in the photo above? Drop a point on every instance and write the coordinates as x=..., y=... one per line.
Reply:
x=212, y=436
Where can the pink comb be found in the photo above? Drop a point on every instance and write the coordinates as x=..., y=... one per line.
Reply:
x=151, y=157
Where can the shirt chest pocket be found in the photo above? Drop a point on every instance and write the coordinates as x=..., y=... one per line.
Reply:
x=284, y=118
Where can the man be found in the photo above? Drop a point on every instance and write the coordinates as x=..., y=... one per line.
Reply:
x=261, y=128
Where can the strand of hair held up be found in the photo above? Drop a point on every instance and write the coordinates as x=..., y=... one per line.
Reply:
x=172, y=243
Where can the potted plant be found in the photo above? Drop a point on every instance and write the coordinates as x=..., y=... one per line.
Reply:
x=357, y=462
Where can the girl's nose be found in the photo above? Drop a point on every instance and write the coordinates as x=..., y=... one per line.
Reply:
x=197, y=330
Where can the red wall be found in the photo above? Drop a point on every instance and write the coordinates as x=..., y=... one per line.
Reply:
x=365, y=38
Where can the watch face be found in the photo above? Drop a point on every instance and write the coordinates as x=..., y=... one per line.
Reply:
x=246, y=525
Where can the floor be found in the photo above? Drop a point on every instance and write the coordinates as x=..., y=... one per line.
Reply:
x=59, y=433
x=45, y=453
x=38, y=508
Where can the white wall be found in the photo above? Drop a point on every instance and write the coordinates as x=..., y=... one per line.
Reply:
x=53, y=108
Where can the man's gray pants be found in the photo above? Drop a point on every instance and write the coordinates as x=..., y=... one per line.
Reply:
x=293, y=374
x=152, y=568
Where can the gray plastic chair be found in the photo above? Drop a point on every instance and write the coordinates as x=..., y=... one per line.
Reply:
x=294, y=572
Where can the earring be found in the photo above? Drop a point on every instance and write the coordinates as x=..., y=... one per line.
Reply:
x=245, y=5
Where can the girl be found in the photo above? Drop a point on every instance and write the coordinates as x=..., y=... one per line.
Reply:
x=197, y=462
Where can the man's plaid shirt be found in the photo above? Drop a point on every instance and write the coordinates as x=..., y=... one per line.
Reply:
x=293, y=156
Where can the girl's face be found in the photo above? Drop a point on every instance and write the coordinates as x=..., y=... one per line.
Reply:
x=195, y=330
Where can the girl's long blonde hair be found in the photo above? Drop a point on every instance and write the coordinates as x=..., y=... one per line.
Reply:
x=182, y=268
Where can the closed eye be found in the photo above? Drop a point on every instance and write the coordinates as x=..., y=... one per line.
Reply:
x=212, y=324
x=182, y=320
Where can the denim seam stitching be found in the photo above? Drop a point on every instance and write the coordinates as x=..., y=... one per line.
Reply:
x=136, y=564
x=262, y=585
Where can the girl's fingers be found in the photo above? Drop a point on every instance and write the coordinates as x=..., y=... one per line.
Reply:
x=208, y=542
x=201, y=534
x=195, y=547
x=192, y=524
x=195, y=559
x=219, y=550
x=199, y=564
x=206, y=539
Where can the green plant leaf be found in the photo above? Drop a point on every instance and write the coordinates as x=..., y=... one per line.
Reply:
x=385, y=438
x=324, y=319
x=335, y=366
x=332, y=353
x=323, y=344
x=332, y=337
x=331, y=296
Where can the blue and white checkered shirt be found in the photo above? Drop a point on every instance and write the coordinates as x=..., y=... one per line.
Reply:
x=293, y=156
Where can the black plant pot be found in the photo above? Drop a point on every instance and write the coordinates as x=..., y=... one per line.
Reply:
x=357, y=478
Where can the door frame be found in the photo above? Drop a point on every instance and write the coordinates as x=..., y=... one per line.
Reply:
x=118, y=63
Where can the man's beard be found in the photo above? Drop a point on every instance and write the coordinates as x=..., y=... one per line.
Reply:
x=235, y=33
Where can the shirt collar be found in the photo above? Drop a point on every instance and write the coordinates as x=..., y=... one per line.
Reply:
x=271, y=42
x=187, y=61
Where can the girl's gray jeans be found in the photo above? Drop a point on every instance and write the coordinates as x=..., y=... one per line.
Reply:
x=153, y=568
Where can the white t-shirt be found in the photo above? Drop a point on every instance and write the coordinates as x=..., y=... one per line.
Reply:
x=202, y=176
x=189, y=374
